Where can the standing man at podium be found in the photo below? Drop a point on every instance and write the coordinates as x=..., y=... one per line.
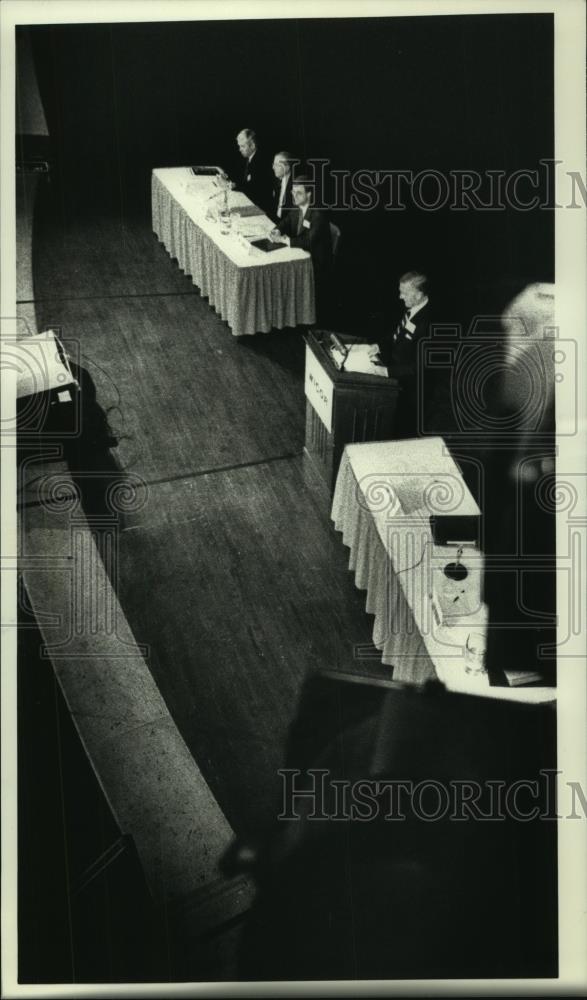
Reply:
x=308, y=228
x=398, y=351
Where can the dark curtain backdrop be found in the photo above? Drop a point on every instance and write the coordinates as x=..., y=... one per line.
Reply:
x=471, y=92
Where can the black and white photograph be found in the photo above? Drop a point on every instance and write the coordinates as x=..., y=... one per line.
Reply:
x=293, y=511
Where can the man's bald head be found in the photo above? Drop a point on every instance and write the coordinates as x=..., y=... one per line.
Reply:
x=246, y=141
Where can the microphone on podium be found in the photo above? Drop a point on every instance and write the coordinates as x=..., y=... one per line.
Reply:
x=341, y=348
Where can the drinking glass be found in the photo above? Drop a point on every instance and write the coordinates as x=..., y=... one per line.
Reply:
x=475, y=654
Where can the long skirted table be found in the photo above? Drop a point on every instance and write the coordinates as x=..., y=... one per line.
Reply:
x=253, y=290
x=384, y=497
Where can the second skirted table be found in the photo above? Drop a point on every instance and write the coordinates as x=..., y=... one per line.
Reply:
x=384, y=497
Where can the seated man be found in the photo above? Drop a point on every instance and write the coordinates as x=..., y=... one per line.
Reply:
x=398, y=351
x=256, y=182
x=282, y=199
x=308, y=228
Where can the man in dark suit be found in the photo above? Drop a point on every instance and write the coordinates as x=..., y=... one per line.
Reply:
x=257, y=182
x=308, y=228
x=282, y=198
x=399, y=350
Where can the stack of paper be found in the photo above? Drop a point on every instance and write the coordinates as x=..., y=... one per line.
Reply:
x=358, y=360
x=254, y=228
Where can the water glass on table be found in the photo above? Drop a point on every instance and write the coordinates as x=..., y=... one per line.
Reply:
x=225, y=222
x=475, y=654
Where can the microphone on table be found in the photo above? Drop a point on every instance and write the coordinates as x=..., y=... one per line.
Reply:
x=342, y=348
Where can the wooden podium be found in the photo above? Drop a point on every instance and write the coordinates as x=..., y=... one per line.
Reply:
x=342, y=407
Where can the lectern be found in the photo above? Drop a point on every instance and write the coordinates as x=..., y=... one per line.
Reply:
x=342, y=407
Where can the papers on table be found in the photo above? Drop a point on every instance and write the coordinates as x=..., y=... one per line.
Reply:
x=246, y=211
x=252, y=229
x=359, y=361
x=203, y=171
x=246, y=220
x=202, y=191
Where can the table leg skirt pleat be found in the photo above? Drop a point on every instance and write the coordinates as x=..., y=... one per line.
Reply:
x=395, y=632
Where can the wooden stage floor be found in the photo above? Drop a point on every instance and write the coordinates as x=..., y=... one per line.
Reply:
x=231, y=572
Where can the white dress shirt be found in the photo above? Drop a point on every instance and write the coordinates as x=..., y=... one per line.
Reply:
x=284, y=181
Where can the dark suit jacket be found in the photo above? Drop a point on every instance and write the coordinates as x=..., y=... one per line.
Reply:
x=400, y=354
x=288, y=202
x=315, y=237
x=257, y=181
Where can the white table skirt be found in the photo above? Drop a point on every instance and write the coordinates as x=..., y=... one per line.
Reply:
x=397, y=564
x=253, y=291
x=395, y=632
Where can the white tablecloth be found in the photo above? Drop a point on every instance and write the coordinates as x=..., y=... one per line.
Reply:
x=252, y=290
x=384, y=496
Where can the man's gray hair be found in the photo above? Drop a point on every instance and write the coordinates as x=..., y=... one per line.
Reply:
x=248, y=133
x=417, y=278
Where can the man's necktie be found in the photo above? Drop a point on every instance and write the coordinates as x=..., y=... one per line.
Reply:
x=401, y=328
x=300, y=223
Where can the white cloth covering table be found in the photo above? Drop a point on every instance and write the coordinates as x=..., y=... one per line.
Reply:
x=384, y=496
x=254, y=291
